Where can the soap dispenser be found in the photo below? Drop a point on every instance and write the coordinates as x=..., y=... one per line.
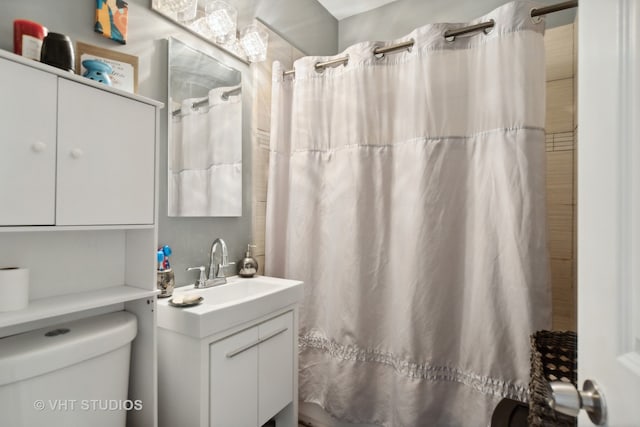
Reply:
x=248, y=266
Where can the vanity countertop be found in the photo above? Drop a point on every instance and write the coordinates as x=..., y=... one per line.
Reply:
x=238, y=301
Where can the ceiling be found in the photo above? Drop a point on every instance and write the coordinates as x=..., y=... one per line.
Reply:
x=342, y=9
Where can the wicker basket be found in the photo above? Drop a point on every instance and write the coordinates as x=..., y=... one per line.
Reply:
x=553, y=358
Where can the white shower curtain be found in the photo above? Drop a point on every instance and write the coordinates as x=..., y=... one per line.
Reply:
x=205, y=161
x=408, y=192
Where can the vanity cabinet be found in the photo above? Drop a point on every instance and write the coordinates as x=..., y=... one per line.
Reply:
x=251, y=374
x=241, y=377
x=78, y=206
x=73, y=155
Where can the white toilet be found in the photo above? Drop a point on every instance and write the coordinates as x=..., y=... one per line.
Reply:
x=71, y=374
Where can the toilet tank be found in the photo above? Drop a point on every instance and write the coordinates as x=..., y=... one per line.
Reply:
x=70, y=374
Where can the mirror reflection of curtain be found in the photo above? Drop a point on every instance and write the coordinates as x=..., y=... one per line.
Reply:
x=205, y=162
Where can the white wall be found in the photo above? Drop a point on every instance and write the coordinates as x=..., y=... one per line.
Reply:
x=305, y=23
x=399, y=18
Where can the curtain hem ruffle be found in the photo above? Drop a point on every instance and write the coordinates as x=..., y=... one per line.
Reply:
x=414, y=370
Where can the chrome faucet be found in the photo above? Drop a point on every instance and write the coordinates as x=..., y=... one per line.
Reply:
x=224, y=261
x=216, y=275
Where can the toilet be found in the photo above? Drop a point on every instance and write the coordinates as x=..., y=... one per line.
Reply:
x=70, y=374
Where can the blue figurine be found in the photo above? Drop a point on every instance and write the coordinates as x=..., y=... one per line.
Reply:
x=97, y=70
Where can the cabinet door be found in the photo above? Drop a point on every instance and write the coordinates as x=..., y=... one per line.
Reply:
x=275, y=366
x=233, y=381
x=106, y=149
x=27, y=145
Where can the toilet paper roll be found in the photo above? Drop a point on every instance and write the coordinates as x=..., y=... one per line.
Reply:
x=14, y=288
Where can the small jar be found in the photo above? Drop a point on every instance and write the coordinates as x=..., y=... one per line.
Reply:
x=165, y=283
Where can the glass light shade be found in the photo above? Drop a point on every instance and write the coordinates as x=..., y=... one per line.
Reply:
x=222, y=20
x=233, y=45
x=180, y=10
x=254, y=42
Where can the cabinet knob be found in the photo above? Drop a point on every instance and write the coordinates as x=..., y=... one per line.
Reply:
x=76, y=153
x=38, y=147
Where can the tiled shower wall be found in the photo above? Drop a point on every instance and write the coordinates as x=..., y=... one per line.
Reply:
x=561, y=142
x=561, y=58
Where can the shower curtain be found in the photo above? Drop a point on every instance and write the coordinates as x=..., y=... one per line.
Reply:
x=205, y=161
x=408, y=192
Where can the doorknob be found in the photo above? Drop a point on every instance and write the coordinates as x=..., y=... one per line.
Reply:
x=566, y=399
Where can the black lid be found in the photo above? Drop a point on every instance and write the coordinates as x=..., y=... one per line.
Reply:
x=57, y=50
x=57, y=36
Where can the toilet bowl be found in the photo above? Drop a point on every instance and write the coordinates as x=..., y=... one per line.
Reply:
x=70, y=374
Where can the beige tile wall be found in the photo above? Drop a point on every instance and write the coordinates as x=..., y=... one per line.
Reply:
x=560, y=129
x=561, y=185
x=279, y=50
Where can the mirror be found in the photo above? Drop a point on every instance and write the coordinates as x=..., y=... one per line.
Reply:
x=204, y=135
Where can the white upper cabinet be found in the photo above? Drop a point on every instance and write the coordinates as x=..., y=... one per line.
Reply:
x=105, y=158
x=27, y=145
x=72, y=154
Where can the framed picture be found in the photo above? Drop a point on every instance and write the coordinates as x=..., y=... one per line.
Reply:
x=111, y=19
x=125, y=67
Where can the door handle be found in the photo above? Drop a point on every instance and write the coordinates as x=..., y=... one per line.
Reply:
x=566, y=399
x=255, y=343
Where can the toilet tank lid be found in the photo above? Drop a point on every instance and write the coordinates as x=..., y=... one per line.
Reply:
x=47, y=349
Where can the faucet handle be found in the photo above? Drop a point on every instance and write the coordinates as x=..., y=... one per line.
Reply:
x=221, y=269
x=202, y=279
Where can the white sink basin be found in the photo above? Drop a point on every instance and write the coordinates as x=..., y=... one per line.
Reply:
x=239, y=300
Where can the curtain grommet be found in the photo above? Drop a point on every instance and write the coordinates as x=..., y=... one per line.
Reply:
x=535, y=19
x=413, y=43
x=490, y=29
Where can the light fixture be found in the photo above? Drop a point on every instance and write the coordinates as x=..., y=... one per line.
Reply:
x=222, y=20
x=254, y=42
x=216, y=21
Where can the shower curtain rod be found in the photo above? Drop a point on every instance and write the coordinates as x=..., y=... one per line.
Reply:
x=225, y=96
x=449, y=34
